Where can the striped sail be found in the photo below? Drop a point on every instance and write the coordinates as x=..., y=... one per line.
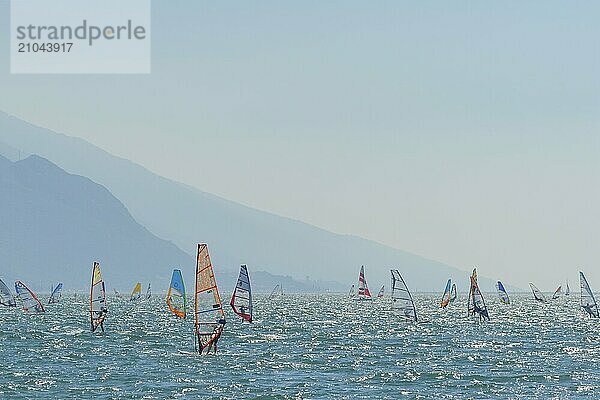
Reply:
x=241, y=300
x=6, y=297
x=476, y=303
x=502, y=295
x=588, y=302
x=148, y=292
x=208, y=310
x=136, y=294
x=28, y=299
x=537, y=294
x=98, y=307
x=402, y=300
x=176, y=294
x=447, y=296
x=363, y=288
x=56, y=294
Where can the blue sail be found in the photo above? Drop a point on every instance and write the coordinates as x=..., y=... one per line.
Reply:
x=502, y=293
x=56, y=294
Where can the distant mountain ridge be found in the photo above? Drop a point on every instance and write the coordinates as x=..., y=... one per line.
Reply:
x=236, y=234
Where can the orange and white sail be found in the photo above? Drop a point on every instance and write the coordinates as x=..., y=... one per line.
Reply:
x=208, y=310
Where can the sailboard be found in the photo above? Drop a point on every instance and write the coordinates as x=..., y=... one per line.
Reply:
x=28, y=298
x=537, y=294
x=588, y=302
x=117, y=294
x=241, y=300
x=447, y=296
x=56, y=294
x=557, y=293
x=363, y=288
x=351, y=293
x=148, y=293
x=98, y=307
x=209, y=318
x=502, y=294
x=381, y=292
x=176, y=294
x=567, y=289
x=6, y=297
x=476, y=303
x=402, y=300
x=136, y=294
x=453, y=293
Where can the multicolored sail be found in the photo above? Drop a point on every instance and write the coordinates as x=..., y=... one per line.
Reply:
x=241, y=300
x=447, y=296
x=502, y=294
x=363, y=288
x=6, y=297
x=476, y=304
x=176, y=295
x=28, y=298
x=381, y=291
x=401, y=299
x=208, y=310
x=98, y=307
x=453, y=293
x=136, y=294
x=588, y=302
x=557, y=293
x=148, y=292
x=537, y=294
x=56, y=294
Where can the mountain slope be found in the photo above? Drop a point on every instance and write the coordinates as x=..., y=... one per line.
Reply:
x=54, y=225
x=235, y=233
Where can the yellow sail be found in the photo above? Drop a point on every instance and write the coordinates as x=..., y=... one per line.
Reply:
x=208, y=309
x=137, y=292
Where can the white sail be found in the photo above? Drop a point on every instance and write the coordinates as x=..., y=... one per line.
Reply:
x=537, y=294
x=557, y=293
x=401, y=299
x=588, y=302
x=6, y=297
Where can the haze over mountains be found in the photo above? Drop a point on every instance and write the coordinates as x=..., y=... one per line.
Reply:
x=235, y=233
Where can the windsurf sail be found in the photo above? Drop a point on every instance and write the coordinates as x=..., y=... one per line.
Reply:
x=502, y=294
x=401, y=299
x=277, y=291
x=588, y=302
x=453, y=293
x=98, y=307
x=557, y=293
x=363, y=288
x=537, y=294
x=56, y=294
x=6, y=297
x=351, y=293
x=137, y=292
x=28, y=298
x=176, y=294
x=208, y=310
x=447, y=296
x=476, y=304
x=117, y=294
x=148, y=292
x=567, y=289
x=241, y=300
x=381, y=291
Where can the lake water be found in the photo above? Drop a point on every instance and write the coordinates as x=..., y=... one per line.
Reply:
x=305, y=347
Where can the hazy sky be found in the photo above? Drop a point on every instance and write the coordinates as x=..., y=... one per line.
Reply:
x=467, y=132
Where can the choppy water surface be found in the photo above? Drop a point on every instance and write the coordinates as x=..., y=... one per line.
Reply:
x=305, y=346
